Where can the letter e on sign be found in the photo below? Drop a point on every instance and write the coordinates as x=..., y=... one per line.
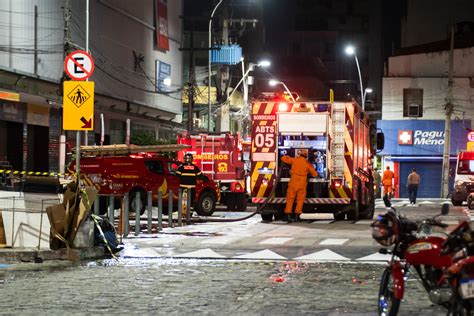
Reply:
x=79, y=65
x=470, y=136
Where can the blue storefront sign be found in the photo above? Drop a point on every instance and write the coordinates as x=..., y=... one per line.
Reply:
x=422, y=137
x=163, y=71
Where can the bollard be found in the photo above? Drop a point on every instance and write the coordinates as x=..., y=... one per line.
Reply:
x=96, y=205
x=126, y=215
x=41, y=226
x=138, y=207
x=149, y=209
x=160, y=210
x=170, y=209
x=111, y=209
x=188, y=207
x=180, y=208
x=13, y=222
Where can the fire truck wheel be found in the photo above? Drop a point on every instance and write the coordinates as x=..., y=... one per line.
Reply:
x=241, y=203
x=206, y=204
x=339, y=215
x=134, y=202
x=231, y=201
x=456, y=202
x=267, y=217
x=470, y=202
x=353, y=213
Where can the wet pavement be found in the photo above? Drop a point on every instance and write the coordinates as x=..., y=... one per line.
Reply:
x=213, y=287
x=176, y=272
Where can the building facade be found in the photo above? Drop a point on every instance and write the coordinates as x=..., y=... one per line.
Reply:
x=135, y=47
x=415, y=93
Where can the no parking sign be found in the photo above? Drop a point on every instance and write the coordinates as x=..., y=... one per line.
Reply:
x=79, y=65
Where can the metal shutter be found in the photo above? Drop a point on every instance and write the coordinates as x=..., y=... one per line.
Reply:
x=430, y=173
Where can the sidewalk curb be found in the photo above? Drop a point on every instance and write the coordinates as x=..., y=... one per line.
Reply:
x=30, y=254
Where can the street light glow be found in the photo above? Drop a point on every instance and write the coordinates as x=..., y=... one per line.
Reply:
x=350, y=50
x=264, y=63
x=369, y=90
x=167, y=82
x=273, y=82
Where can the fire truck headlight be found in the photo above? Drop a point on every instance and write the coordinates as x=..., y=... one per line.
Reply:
x=282, y=107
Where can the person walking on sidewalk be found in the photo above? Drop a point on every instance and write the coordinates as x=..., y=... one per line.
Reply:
x=413, y=182
x=387, y=181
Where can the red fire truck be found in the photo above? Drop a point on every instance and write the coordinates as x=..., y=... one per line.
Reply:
x=118, y=169
x=336, y=138
x=220, y=157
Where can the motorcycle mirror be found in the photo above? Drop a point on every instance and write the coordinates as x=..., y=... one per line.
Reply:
x=445, y=209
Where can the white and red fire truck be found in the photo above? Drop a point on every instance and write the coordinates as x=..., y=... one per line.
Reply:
x=336, y=137
x=220, y=157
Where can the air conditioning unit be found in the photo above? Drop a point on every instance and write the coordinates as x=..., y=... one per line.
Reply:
x=413, y=110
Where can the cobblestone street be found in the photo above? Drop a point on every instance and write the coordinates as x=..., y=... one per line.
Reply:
x=184, y=287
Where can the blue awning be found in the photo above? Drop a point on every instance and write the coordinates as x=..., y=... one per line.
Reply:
x=419, y=158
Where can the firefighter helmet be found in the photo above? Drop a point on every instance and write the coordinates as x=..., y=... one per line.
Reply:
x=385, y=229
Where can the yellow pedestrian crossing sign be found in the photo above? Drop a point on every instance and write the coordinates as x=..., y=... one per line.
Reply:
x=78, y=106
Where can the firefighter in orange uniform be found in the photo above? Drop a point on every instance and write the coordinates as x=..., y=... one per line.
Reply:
x=188, y=173
x=387, y=181
x=298, y=182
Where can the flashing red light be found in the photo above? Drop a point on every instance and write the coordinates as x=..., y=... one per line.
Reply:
x=282, y=107
x=238, y=187
x=466, y=155
x=337, y=183
x=265, y=182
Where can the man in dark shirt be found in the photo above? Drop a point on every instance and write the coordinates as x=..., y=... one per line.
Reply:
x=188, y=172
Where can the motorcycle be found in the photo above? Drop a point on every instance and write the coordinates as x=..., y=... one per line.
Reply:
x=414, y=247
x=460, y=275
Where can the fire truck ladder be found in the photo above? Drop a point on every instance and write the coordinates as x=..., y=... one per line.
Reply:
x=337, y=144
x=206, y=153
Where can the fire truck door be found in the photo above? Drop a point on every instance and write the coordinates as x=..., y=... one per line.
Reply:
x=172, y=181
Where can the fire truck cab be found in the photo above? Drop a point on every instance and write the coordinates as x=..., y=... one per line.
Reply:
x=463, y=178
x=116, y=172
x=336, y=138
x=220, y=157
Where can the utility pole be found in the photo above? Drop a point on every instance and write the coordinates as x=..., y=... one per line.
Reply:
x=447, y=123
x=192, y=79
x=35, y=58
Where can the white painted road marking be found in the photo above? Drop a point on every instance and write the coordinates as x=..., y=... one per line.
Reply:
x=275, y=241
x=333, y=241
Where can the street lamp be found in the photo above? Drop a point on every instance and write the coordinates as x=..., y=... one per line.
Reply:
x=275, y=82
x=350, y=50
x=209, y=68
x=367, y=91
x=263, y=63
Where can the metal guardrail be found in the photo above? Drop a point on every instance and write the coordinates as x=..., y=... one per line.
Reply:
x=21, y=204
x=154, y=222
x=154, y=217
